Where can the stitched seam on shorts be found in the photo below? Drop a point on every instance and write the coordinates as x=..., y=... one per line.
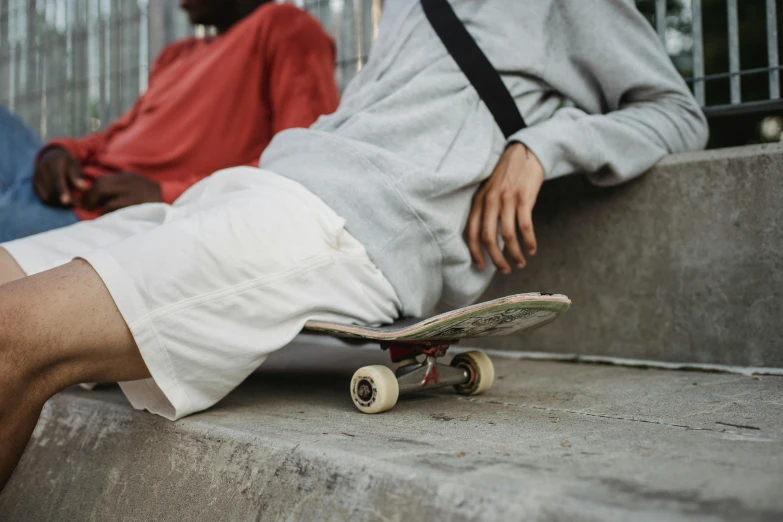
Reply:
x=336, y=258
x=321, y=260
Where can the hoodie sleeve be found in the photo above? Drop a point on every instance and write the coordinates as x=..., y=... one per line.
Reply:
x=648, y=110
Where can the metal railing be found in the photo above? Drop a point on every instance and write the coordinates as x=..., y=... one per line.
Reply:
x=67, y=67
x=70, y=66
x=699, y=80
x=353, y=24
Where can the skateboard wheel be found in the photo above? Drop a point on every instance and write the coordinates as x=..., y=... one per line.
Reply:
x=374, y=389
x=480, y=370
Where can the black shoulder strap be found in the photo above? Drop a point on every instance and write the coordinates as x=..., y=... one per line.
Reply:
x=475, y=64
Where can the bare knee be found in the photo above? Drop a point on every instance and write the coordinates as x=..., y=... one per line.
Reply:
x=29, y=347
x=17, y=374
x=61, y=327
x=16, y=378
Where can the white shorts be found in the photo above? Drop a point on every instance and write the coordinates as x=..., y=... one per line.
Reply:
x=213, y=284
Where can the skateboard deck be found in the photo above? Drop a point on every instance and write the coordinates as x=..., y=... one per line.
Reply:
x=416, y=345
x=502, y=316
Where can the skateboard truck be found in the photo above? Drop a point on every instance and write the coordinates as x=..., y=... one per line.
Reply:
x=414, y=375
x=375, y=389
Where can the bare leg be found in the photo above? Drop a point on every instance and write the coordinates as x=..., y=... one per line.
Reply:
x=9, y=269
x=57, y=328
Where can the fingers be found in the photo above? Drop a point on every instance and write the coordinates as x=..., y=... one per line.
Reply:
x=474, y=230
x=61, y=190
x=74, y=176
x=489, y=232
x=507, y=198
x=41, y=181
x=50, y=187
x=116, y=191
x=70, y=177
x=508, y=231
x=91, y=198
x=39, y=186
x=482, y=232
x=525, y=218
x=57, y=173
x=116, y=203
x=103, y=189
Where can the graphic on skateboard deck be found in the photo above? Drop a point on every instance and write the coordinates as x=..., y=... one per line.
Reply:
x=375, y=389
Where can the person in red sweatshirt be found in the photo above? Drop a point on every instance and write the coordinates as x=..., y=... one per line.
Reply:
x=212, y=103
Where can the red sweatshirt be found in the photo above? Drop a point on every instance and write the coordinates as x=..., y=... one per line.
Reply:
x=217, y=102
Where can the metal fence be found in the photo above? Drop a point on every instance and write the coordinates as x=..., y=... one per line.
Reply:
x=353, y=24
x=693, y=30
x=70, y=66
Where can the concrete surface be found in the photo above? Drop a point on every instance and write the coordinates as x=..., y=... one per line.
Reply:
x=551, y=441
x=682, y=265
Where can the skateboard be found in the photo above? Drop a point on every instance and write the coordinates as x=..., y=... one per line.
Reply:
x=416, y=346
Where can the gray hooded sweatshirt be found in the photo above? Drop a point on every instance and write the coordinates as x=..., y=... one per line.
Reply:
x=409, y=145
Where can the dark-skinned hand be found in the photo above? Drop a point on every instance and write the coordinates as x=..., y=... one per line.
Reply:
x=56, y=176
x=506, y=199
x=120, y=190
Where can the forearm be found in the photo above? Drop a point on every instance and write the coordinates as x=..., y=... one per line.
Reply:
x=618, y=146
x=633, y=106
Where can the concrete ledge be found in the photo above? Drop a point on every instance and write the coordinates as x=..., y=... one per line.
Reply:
x=682, y=265
x=551, y=441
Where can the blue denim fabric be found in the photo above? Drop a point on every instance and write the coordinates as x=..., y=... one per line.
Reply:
x=21, y=212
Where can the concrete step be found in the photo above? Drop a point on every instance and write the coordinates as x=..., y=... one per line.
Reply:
x=551, y=441
x=682, y=265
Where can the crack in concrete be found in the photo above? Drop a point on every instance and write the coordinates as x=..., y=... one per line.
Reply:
x=614, y=417
x=628, y=362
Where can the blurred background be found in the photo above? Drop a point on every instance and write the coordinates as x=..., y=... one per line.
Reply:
x=69, y=66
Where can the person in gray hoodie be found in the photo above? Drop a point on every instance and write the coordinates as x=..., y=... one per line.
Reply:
x=399, y=201
x=591, y=79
